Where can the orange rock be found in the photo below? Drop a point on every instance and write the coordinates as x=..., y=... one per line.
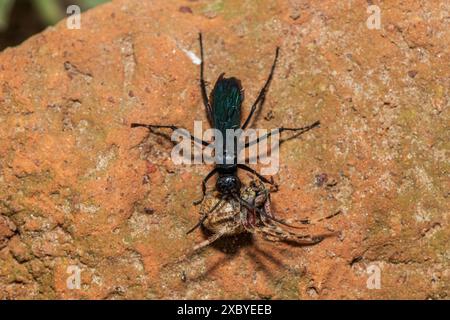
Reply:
x=75, y=179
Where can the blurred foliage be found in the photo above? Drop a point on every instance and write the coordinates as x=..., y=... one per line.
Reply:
x=5, y=9
x=49, y=11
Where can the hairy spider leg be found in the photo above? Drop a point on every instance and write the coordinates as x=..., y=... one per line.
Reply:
x=280, y=234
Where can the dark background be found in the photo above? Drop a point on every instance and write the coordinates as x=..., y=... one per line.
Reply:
x=20, y=19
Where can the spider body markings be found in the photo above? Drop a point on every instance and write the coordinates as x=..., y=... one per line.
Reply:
x=232, y=217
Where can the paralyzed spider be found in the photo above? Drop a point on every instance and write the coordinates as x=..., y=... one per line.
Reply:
x=251, y=212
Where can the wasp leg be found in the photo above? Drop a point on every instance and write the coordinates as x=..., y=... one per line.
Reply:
x=173, y=128
x=203, y=83
x=262, y=94
x=280, y=130
x=204, y=182
x=262, y=178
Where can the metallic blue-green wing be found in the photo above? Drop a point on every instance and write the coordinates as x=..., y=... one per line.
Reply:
x=226, y=100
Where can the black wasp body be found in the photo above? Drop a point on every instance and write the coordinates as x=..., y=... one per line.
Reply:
x=223, y=110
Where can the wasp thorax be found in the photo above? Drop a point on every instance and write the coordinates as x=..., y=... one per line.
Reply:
x=228, y=184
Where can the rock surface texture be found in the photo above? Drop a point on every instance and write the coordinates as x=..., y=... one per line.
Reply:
x=81, y=191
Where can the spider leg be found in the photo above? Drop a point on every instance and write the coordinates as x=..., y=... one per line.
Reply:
x=196, y=248
x=201, y=245
x=284, y=222
x=267, y=214
x=264, y=215
x=276, y=234
x=307, y=221
x=203, y=83
x=314, y=221
x=262, y=94
x=208, y=241
x=173, y=128
x=277, y=231
x=205, y=180
x=284, y=235
x=280, y=130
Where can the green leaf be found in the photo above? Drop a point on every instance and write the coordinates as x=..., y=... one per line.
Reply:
x=5, y=10
x=91, y=3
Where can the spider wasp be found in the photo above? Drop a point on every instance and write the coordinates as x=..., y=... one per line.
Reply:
x=238, y=208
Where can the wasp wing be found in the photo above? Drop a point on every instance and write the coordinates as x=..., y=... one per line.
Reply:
x=226, y=100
